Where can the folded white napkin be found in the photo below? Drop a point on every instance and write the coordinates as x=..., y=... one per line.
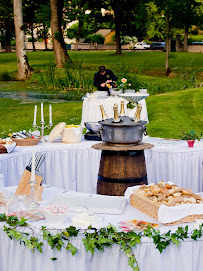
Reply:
x=77, y=130
x=168, y=214
x=10, y=147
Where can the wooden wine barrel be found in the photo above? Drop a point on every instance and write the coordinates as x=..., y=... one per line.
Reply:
x=121, y=167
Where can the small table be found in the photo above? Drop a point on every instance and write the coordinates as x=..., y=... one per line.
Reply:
x=91, y=110
x=121, y=166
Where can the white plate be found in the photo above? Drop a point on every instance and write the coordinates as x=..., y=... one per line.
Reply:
x=94, y=204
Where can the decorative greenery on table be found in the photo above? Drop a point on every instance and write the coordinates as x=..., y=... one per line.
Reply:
x=122, y=84
x=131, y=105
x=190, y=136
x=94, y=239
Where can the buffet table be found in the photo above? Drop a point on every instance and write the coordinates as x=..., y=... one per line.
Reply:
x=91, y=111
x=68, y=166
x=75, y=166
x=187, y=256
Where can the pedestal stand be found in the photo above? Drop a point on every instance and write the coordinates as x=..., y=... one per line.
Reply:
x=121, y=166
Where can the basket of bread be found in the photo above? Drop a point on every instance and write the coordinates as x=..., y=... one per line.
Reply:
x=167, y=203
x=6, y=145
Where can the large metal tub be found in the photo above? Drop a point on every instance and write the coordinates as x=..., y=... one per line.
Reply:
x=125, y=132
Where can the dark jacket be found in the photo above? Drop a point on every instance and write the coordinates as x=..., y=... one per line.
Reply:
x=99, y=79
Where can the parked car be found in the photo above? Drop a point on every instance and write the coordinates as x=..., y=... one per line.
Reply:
x=197, y=43
x=141, y=45
x=158, y=45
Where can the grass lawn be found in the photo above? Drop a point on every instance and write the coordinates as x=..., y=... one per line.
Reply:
x=169, y=114
x=150, y=62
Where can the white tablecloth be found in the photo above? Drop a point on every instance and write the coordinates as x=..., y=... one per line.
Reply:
x=75, y=166
x=69, y=166
x=91, y=110
x=187, y=257
x=174, y=161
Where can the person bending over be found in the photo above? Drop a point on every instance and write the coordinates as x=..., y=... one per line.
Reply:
x=103, y=77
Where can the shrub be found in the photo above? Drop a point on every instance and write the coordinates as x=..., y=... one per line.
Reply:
x=5, y=76
x=95, y=38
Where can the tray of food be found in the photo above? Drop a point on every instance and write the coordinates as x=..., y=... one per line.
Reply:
x=137, y=225
x=167, y=197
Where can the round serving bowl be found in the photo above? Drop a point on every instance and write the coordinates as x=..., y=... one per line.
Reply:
x=55, y=214
x=93, y=127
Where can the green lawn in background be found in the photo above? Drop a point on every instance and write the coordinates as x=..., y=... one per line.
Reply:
x=19, y=115
x=144, y=61
x=169, y=114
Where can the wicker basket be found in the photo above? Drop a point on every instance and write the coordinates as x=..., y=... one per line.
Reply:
x=3, y=149
x=150, y=208
x=26, y=141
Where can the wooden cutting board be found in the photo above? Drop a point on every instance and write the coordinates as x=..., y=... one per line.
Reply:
x=24, y=186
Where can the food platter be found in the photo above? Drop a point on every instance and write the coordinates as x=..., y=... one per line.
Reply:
x=136, y=225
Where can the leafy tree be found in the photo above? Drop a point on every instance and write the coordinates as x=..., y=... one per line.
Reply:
x=43, y=17
x=30, y=8
x=187, y=14
x=156, y=24
x=6, y=23
x=95, y=38
x=88, y=16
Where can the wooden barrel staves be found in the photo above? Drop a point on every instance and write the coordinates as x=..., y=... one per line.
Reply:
x=121, y=167
x=119, y=170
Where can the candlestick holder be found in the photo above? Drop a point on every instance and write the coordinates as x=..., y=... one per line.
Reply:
x=33, y=204
x=42, y=127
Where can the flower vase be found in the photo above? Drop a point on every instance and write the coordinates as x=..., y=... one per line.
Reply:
x=190, y=143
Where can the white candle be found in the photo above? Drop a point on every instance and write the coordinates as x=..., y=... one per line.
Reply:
x=35, y=116
x=33, y=166
x=50, y=115
x=42, y=113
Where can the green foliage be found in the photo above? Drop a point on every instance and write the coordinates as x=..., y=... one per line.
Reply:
x=96, y=239
x=58, y=36
x=92, y=38
x=5, y=76
x=190, y=136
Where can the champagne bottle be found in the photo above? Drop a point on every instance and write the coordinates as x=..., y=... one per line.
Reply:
x=104, y=116
x=115, y=109
x=137, y=113
x=122, y=112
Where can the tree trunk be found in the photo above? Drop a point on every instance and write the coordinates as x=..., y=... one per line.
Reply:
x=118, y=30
x=8, y=36
x=24, y=69
x=45, y=36
x=59, y=45
x=185, y=47
x=168, y=70
x=33, y=39
x=76, y=44
x=178, y=43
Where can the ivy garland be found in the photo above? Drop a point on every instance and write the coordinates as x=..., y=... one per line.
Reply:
x=95, y=239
